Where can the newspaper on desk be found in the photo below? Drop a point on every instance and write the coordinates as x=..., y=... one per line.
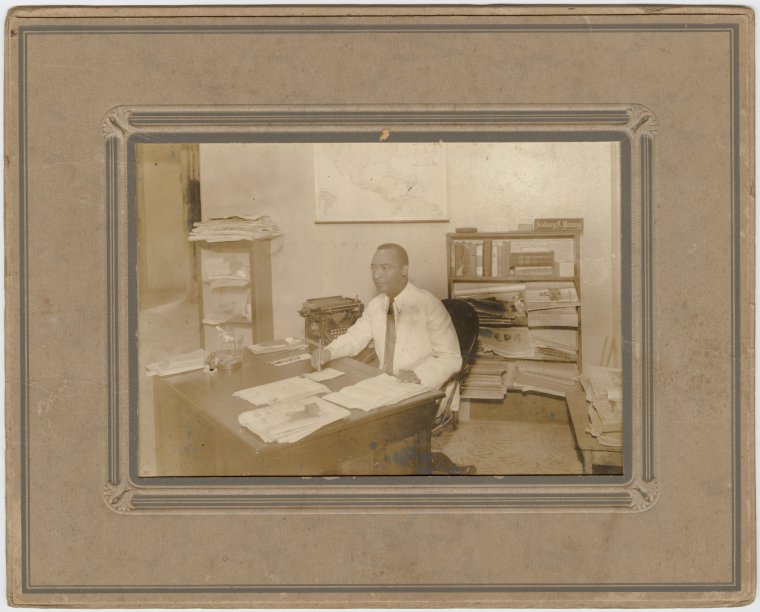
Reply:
x=291, y=421
x=371, y=393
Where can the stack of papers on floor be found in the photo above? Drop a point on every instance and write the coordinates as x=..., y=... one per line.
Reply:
x=230, y=229
x=291, y=421
x=286, y=390
x=551, y=378
x=371, y=393
x=487, y=378
x=274, y=346
x=604, y=389
x=176, y=364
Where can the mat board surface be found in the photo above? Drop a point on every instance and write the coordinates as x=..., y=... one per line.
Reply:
x=673, y=89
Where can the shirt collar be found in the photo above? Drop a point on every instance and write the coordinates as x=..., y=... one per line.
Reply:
x=400, y=298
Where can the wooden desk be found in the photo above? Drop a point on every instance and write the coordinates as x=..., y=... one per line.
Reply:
x=198, y=434
x=593, y=452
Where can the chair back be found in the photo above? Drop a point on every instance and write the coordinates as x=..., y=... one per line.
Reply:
x=466, y=324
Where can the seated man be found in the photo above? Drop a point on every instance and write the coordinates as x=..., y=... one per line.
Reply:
x=414, y=338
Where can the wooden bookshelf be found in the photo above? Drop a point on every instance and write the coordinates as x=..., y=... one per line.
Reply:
x=517, y=258
x=235, y=291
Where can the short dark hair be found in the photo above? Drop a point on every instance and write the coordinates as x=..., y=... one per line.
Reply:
x=400, y=251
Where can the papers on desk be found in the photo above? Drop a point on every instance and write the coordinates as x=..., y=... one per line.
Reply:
x=275, y=346
x=177, y=364
x=324, y=374
x=287, y=390
x=291, y=421
x=371, y=393
x=604, y=389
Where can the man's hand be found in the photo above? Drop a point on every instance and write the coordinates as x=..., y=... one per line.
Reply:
x=326, y=356
x=407, y=376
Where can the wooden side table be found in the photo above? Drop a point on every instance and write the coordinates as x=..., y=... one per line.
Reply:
x=593, y=452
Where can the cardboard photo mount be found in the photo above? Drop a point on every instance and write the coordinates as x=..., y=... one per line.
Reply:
x=85, y=86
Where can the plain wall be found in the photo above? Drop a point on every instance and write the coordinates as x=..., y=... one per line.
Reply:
x=491, y=186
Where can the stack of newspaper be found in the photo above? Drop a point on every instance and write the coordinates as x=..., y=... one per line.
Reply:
x=371, y=393
x=230, y=229
x=604, y=391
x=291, y=421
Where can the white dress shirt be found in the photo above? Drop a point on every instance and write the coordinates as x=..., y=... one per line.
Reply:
x=426, y=341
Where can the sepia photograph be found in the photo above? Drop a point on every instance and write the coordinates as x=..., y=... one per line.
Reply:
x=428, y=307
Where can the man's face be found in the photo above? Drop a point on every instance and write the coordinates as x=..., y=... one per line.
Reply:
x=388, y=274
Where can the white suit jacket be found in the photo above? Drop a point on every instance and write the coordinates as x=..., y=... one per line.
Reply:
x=426, y=341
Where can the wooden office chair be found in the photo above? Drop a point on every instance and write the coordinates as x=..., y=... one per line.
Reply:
x=467, y=327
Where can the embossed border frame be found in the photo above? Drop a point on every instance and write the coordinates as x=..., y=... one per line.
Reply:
x=120, y=491
x=631, y=126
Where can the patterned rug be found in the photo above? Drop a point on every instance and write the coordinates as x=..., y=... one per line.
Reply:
x=512, y=448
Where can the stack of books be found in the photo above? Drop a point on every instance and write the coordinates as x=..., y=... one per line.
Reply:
x=231, y=229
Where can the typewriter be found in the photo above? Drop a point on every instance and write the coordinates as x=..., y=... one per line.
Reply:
x=327, y=318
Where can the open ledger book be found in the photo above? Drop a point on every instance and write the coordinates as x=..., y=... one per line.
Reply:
x=371, y=393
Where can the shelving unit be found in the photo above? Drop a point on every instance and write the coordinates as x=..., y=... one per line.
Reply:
x=545, y=264
x=235, y=292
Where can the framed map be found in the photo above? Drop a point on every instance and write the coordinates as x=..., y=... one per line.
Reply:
x=373, y=182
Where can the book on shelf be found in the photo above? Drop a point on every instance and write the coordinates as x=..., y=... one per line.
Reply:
x=485, y=258
x=532, y=257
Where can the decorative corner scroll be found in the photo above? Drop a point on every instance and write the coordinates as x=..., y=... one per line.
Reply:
x=118, y=497
x=644, y=494
x=642, y=119
x=116, y=123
